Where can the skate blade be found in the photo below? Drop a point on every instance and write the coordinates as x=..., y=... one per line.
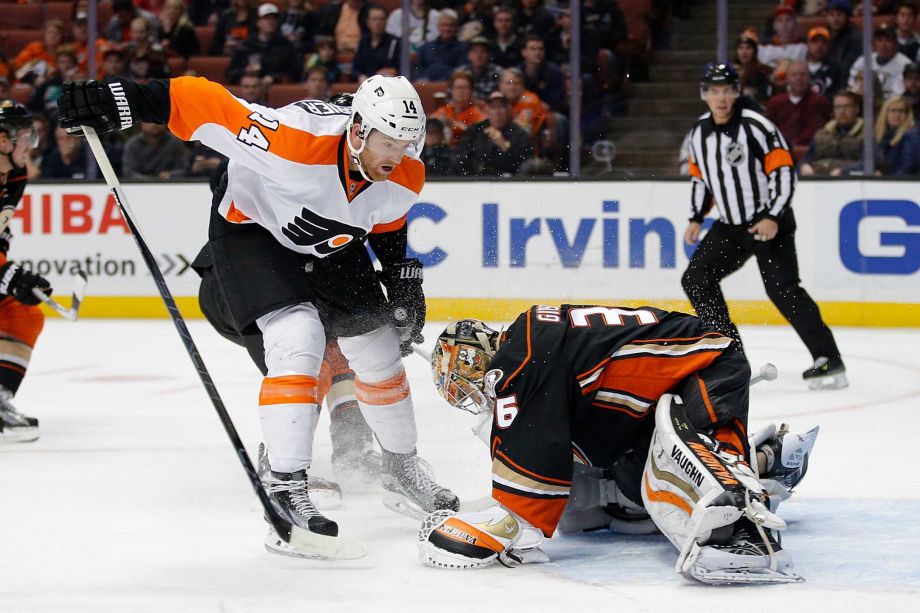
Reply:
x=19, y=435
x=739, y=576
x=402, y=505
x=830, y=382
x=312, y=546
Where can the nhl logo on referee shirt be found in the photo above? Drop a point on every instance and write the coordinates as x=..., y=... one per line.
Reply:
x=735, y=154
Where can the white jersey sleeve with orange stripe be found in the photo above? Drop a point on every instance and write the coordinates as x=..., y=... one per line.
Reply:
x=288, y=168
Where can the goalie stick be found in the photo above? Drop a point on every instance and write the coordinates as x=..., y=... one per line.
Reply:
x=309, y=543
x=76, y=299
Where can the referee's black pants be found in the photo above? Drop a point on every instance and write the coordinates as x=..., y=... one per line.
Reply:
x=724, y=250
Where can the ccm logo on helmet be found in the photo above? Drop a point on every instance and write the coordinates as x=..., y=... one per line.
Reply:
x=324, y=235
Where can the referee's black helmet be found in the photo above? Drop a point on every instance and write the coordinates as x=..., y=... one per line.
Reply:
x=715, y=73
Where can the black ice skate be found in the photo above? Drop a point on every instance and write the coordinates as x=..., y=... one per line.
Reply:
x=411, y=490
x=290, y=494
x=749, y=556
x=14, y=426
x=325, y=494
x=829, y=374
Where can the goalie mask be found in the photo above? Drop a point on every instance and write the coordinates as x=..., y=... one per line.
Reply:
x=459, y=363
x=391, y=117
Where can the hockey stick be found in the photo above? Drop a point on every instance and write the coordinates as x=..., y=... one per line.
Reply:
x=417, y=349
x=768, y=372
x=308, y=542
x=76, y=299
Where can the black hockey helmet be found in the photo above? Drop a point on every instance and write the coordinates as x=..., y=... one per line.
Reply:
x=16, y=122
x=715, y=73
x=13, y=117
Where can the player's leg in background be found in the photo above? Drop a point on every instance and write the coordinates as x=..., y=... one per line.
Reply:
x=721, y=252
x=20, y=326
x=779, y=269
x=353, y=455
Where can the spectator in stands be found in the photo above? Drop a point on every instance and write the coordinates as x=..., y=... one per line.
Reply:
x=378, y=52
x=345, y=21
x=124, y=14
x=462, y=111
x=480, y=13
x=204, y=160
x=79, y=34
x=887, y=62
x=113, y=64
x=423, y=24
x=266, y=53
x=438, y=59
x=485, y=74
x=605, y=18
x=325, y=57
x=837, y=147
x=177, y=34
x=4, y=88
x=251, y=90
x=827, y=76
x=912, y=88
x=437, y=155
x=527, y=110
x=44, y=96
x=558, y=45
x=234, y=25
x=496, y=146
x=298, y=25
x=206, y=12
x=146, y=58
x=506, y=50
x=155, y=154
x=905, y=22
x=542, y=77
x=67, y=160
x=754, y=77
x=785, y=47
x=316, y=85
x=37, y=59
x=893, y=134
x=798, y=112
x=533, y=18
x=846, y=44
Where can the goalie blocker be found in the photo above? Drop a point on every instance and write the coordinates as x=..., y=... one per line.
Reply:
x=687, y=470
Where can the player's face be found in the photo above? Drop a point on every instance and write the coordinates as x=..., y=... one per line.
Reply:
x=381, y=155
x=720, y=99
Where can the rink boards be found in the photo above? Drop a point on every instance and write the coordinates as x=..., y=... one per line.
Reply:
x=492, y=249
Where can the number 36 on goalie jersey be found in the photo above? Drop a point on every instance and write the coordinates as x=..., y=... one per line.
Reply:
x=288, y=168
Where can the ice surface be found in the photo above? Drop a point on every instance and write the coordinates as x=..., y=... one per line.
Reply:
x=133, y=500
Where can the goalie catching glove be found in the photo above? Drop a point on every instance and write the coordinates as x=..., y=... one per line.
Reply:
x=403, y=282
x=476, y=539
x=19, y=283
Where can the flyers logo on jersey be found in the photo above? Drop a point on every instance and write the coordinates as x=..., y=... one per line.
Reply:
x=324, y=235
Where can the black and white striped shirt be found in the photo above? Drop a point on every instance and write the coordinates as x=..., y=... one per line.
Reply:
x=743, y=167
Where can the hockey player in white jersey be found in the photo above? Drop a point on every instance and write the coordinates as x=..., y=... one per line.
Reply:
x=306, y=185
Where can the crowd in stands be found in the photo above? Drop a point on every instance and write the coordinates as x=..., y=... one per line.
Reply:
x=492, y=74
x=806, y=72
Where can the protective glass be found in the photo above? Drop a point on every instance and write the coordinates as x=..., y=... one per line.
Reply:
x=458, y=372
x=731, y=91
x=24, y=135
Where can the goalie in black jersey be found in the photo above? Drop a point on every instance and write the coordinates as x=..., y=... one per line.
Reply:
x=627, y=418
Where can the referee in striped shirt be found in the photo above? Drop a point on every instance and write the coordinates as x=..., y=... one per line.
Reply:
x=741, y=165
